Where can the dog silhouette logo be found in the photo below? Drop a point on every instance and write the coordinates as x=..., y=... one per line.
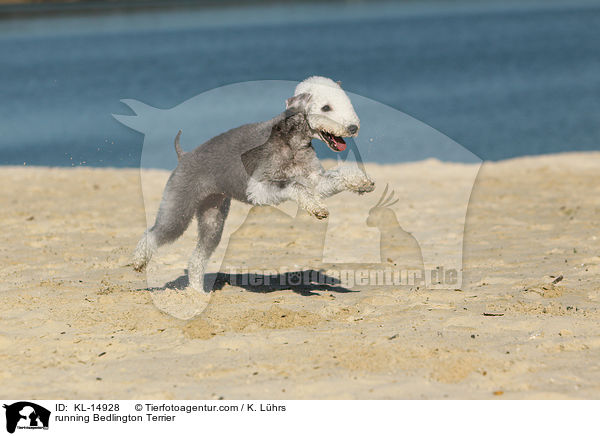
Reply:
x=422, y=232
x=26, y=415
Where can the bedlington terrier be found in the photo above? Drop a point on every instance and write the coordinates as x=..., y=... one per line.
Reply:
x=264, y=163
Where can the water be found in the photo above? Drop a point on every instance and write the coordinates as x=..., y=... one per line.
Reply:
x=502, y=81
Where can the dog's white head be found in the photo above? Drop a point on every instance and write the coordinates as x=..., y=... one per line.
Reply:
x=328, y=110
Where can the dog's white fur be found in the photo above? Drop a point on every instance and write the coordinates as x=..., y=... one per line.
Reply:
x=324, y=91
x=261, y=163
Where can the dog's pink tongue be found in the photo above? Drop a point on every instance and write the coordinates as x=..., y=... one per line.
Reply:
x=340, y=144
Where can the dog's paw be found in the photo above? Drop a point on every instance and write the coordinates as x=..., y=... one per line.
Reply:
x=320, y=213
x=139, y=265
x=356, y=180
x=361, y=185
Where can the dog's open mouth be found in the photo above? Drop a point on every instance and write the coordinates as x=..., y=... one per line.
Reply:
x=336, y=143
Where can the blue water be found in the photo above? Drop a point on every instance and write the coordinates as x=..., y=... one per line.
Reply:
x=502, y=81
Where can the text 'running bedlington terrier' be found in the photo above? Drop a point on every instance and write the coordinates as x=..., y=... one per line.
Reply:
x=264, y=163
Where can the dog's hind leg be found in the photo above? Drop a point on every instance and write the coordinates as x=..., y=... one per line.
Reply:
x=211, y=217
x=172, y=219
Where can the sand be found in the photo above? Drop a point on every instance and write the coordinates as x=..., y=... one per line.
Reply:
x=78, y=322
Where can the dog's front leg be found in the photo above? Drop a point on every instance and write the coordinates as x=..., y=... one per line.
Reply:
x=308, y=200
x=343, y=178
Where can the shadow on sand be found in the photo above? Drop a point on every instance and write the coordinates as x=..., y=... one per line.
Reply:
x=300, y=282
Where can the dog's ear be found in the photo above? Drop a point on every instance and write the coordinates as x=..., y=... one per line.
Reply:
x=298, y=102
x=339, y=82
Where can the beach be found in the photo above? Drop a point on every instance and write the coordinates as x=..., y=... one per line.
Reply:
x=78, y=322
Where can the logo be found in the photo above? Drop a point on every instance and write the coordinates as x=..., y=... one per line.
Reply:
x=411, y=237
x=26, y=415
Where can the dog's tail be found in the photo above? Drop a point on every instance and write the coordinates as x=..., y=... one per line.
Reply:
x=178, y=149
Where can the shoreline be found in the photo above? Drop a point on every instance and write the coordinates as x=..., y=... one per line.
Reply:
x=539, y=158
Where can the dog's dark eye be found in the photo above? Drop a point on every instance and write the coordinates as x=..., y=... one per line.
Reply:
x=326, y=108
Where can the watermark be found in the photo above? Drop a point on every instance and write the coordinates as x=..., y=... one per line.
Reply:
x=407, y=232
x=349, y=278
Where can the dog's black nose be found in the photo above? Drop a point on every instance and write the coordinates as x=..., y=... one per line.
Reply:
x=352, y=128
